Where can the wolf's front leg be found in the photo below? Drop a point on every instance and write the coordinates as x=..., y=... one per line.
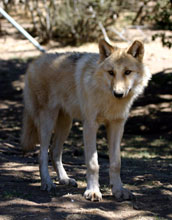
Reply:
x=114, y=135
x=92, y=191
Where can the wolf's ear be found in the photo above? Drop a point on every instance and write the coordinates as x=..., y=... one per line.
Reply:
x=136, y=50
x=105, y=49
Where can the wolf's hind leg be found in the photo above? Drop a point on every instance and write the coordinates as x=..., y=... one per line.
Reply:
x=62, y=128
x=46, y=127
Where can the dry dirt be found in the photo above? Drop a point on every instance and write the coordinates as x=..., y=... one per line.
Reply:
x=146, y=146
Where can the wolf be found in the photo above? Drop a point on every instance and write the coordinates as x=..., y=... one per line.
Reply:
x=96, y=88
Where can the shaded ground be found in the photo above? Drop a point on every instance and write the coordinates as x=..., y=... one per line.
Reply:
x=146, y=154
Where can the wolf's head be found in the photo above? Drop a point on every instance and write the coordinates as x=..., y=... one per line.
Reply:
x=122, y=70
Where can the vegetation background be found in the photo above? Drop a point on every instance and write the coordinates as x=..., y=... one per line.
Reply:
x=76, y=22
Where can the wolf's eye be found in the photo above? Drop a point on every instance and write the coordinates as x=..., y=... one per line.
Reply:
x=111, y=72
x=127, y=72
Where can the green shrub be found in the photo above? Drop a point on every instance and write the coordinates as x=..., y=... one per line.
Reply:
x=163, y=20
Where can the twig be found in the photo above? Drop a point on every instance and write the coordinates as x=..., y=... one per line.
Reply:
x=104, y=32
x=120, y=35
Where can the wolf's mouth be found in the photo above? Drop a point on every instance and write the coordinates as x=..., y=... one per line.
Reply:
x=121, y=95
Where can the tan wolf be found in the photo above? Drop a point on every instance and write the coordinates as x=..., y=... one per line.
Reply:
x=95, y=88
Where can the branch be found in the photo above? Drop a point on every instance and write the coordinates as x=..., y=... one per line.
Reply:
x=104, y=32
x=120, y=35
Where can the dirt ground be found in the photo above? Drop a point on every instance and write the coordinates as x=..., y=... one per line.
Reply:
x=146, y=146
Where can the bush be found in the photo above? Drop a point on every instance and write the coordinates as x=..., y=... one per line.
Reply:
x=158, y=13
x=72, y=21
x=162, y=15
x=163, y=20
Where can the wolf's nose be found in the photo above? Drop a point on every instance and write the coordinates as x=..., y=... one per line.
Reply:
x=118, y=95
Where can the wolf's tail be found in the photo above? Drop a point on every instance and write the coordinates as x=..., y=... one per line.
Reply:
x=29, y=137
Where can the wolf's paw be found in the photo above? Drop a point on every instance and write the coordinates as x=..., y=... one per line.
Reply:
x=68, y=182
x=122, y=194
x=93, y=195
x=48, y=185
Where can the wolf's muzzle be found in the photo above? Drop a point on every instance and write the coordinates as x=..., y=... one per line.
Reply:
x=118, y=95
